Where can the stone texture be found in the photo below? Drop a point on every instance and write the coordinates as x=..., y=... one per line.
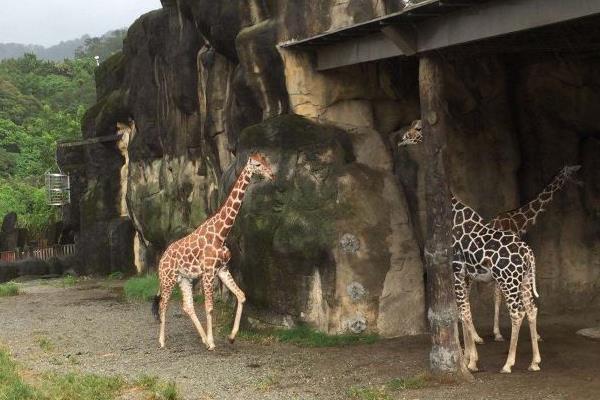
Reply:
x=206, y=84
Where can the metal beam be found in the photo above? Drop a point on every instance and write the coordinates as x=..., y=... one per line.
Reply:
x=358, y=50
x=479, y=22
x=404, y=37
x=497, y=18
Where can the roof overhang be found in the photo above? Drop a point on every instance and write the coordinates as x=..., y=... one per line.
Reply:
x=436, y=24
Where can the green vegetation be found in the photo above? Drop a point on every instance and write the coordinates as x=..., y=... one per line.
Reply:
x=79, y=387
x=301, y=335
x=40, y=102
x=73, y=386
x=412, y=382
x=45, y=344
x=160, y=390
x=383, y=392
x=115, y=276
x=68, y=280
x=305, y=336
x=368, y=393
x=12, y=386
x=9, y=289
x=145, y=287
x=84, y=46
x=267, y=383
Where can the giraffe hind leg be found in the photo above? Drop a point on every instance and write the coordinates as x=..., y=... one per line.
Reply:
x=163, y=304
x=531, y=311
x=515, y=308
x=497, y=302
x=207, y=286
x=227, y=279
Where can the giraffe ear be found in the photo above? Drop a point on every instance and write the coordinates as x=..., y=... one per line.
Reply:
x=253, y=161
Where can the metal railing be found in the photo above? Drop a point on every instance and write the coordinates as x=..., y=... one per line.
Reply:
x=42, y=253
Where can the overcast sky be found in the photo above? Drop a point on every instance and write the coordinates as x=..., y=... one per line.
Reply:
x=47, y=22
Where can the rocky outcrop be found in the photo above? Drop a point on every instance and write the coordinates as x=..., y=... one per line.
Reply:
x=336, y=241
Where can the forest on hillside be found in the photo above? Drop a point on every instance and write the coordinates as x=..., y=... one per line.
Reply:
x=41, y=102
x=102, y=46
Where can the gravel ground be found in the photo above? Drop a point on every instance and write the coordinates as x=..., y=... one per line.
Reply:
x=91, y=329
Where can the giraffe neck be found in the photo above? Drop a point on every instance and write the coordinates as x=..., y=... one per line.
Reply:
x=230, y=208
x=526, y=216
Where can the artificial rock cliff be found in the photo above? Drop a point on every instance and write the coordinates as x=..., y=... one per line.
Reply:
x=336, y=240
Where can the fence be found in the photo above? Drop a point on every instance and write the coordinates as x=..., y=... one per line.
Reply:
x=42, y=253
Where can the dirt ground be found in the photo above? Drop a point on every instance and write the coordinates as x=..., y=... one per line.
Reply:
x=91, y=329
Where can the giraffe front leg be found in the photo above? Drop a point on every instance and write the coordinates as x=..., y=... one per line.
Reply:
x=461, y=289
x=187, y=293
x=497, y=301
x=227, y=279
x=207, y=285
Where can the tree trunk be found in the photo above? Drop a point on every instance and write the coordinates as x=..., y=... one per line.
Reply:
x=446, y=353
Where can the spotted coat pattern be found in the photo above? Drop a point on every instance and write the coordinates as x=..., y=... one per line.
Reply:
x=203, y=255
x=519, y=220
x=482, y=253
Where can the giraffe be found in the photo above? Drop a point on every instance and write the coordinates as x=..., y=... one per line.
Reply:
x=202, y=254
x=482, y=253
x=519, y=220
x=516, y=221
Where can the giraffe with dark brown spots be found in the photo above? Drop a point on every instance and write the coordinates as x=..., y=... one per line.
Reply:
x=482, y=253
x=202, y=255
x=519, y=221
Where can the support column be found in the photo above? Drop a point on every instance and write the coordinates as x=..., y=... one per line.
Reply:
x=446, y=354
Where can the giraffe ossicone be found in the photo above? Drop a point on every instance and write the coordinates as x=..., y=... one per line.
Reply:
x=203, y=254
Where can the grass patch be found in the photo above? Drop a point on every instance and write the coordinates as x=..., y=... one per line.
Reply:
x=159, y=389
x=72, y=386
x=9, y=289
x=79, y=387
x=45, y=344
x=115, y=276
x=368, y=393
x=12, y=386
x=413, y=382
x=145, y=287
x=68, y=280
x=302, y=336
x=267, y=383
x=305, y=336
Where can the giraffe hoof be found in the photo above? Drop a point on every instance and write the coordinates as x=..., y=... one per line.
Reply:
x=473, y=368
x=231, y=340
x=499, y=338
x=534, y=367
x=506, y=370
x=210, y=347
x=479, y=341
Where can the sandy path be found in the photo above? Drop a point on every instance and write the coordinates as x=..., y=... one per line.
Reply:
x=92, y=330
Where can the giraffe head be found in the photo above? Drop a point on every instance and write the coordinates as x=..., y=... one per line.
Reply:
x=258, y=164
x=413, y=135
x=568, y=171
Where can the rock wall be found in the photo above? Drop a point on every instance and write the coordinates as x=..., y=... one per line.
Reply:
x=336, y=241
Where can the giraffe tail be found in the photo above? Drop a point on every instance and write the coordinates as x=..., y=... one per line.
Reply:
x=155, y=304
x=532, y=266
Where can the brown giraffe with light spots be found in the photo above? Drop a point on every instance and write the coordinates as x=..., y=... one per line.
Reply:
x=203, y=254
